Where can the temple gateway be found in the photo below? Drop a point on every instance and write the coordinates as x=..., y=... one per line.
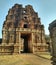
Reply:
x=22, y=31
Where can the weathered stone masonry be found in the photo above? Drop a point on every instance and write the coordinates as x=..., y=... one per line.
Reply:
x=52, y=29
x=22, y=31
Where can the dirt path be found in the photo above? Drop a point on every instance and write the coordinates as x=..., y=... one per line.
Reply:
x=23, y=59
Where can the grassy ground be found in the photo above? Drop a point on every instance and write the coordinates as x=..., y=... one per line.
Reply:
x=23, y=59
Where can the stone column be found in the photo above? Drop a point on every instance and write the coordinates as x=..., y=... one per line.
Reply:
x=32, y=43
x=52, y=29
x=17, y=45
x=19, y=42
x=17, y=37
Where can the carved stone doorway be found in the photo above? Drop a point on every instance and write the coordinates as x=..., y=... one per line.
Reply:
x=26, y=42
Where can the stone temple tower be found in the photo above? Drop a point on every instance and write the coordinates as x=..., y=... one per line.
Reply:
x=22, y=31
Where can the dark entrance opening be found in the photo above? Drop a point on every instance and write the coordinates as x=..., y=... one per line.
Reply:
x=25, y=26
x=25, y=43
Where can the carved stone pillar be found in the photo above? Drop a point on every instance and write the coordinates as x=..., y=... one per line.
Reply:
x=17, y=46
x=52, y=29
x=32, y=43
x=19, y=42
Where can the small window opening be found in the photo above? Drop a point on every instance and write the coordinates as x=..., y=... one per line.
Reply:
x=25, y=17
x=25, y=26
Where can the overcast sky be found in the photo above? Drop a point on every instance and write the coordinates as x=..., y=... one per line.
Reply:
x=46, y=10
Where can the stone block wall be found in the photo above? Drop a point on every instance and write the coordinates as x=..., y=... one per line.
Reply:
x=9, y=49
x=23, y=22
x=52, y=29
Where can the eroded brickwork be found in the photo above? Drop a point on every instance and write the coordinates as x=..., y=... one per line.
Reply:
x=22, y=31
